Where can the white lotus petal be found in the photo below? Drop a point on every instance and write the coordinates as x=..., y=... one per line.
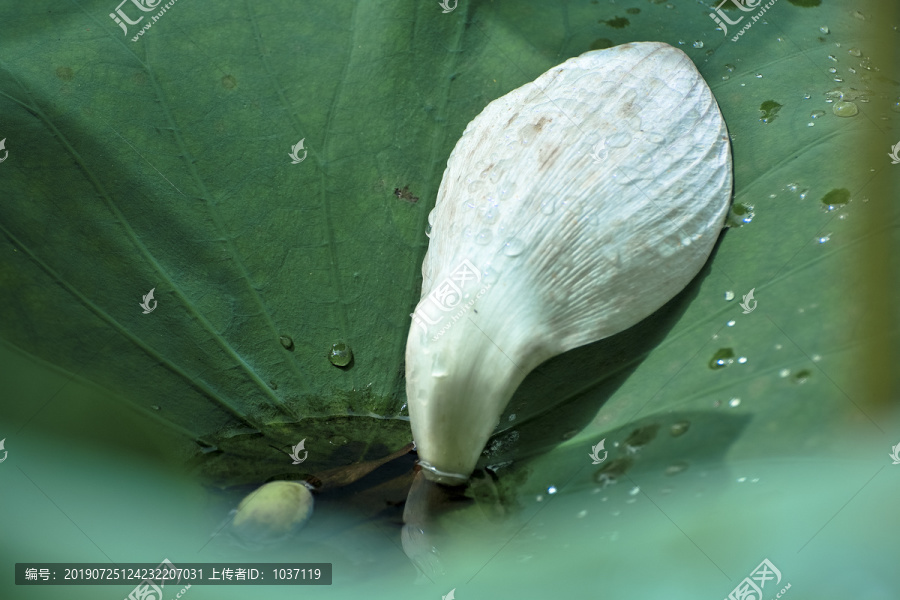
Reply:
x=536, y=248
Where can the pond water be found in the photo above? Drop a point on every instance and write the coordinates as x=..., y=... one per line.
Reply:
x=87, y=480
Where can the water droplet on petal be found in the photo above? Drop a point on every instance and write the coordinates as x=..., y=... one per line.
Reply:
x=698, y=44
x=489, y=215
x=513, y=247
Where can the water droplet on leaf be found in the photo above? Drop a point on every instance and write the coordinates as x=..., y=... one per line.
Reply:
x=340, y=355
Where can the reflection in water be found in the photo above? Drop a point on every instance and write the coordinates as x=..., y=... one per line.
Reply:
x=422, y=535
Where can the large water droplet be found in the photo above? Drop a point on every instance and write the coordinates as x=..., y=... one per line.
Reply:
x=489, y=215
x=526, y=135
x=722, y=358
x=845, y=109
x=836, y=197
x=513, y=247
x=770, y=110
x=484, y=237
x=340, y=355
x=698, y=44
x=507, y=192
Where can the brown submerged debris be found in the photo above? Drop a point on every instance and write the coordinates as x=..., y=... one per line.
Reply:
x=341, y=476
